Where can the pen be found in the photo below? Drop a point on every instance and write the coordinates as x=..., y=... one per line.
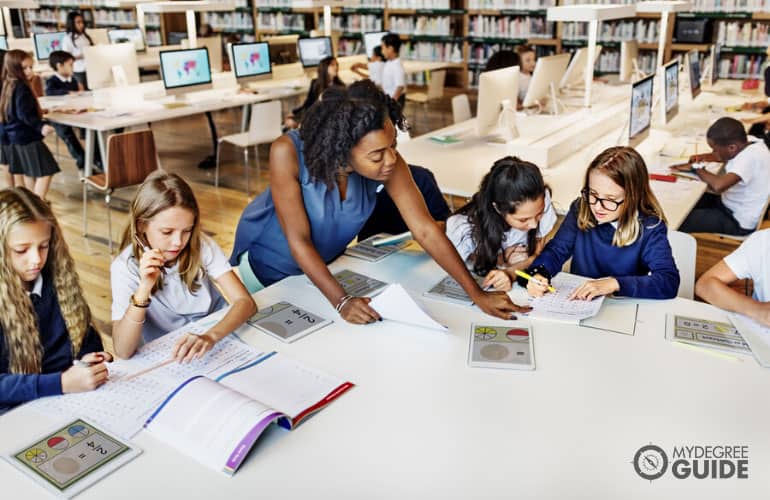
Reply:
x=530, y=278
x=147, y=248
x=683, y=176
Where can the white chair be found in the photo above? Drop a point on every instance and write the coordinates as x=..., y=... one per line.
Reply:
x=214, y=44
x=435, y=91
x=732, y=238
x=684, y=249
x=461, y=108
x=264, y=128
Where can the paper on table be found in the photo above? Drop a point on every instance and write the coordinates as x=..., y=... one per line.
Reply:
x=395, y=304
x=558, y=307
x=616, y=315
x=756, y=335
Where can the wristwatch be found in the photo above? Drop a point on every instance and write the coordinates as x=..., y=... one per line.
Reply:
x=142, y=305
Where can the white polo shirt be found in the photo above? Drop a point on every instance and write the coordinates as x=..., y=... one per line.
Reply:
x=376, y=69
x=750, y=261
x=75, y=47
x=746, y=198
x=174, y=305
x=393, y=76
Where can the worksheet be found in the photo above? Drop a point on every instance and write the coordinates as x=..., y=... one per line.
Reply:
x=558, y=307
x=705, y=333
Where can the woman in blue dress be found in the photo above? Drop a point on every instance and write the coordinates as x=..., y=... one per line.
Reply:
x=324, y=180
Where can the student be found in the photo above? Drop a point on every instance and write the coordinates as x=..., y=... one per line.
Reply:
x=393, y=73
x=748, y=261
x=375, y=67
x=502, y=59
x=527, y=57
x=327, y=77
x=502, y=228
x=324, y=179
x=7, y=176
x=45, y=322
x=28, y=157
x=615, y=233
x=166, y=274
x=75, y=42
x=735, y=204
x=63, y=83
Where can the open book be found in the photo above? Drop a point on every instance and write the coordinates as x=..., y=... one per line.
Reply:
x=218, y=421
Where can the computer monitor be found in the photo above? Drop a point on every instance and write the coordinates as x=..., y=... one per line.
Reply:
x=693, y=72
x=641, y=110
x=575, y=74
x=670, y=90
x=372, y=40
x=3, y=42
x=714, y=56
x=45, y=43
x=548, y=70
x=250, y=61
x=313, y=50
x=495, y=87
x=185, y=70
x=629, y=52
x=283, y=49
x=133, y=35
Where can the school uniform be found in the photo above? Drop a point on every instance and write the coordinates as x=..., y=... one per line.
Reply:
x=393, y=77
x=313, y=94
x=26, y=153
x=376, y=69
x=57, y=350
x=174, y=305
x=75, y=45
x=736, y=210
x=460, y=232
x=644, y=269
x=524, y=80
x=58, y=85
x=749, y=261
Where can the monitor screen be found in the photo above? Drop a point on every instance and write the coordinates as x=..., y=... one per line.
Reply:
x=128, y=35
x=672, y=85
x=693, y=62
x=251, y=59
x=3, y=42
x=45, y=43
x=716, y=53
x=313, y=50
x=371, y=40
x=184, y=68
x=641, y=108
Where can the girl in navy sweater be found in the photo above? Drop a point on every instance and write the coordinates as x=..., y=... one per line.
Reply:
x=45, y=322
x=23, y=126
x=615, y=233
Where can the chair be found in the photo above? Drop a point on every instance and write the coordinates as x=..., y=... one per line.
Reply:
x=461, y=108
x=131, y=157
x=732, y=240
x=214, y=44
x=684, y=248
x=264, y=128
x=435, y=91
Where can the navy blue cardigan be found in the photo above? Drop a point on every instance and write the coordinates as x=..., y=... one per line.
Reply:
x=644, y=269
x=57, y=353
x=57, y=86
x=23, y=124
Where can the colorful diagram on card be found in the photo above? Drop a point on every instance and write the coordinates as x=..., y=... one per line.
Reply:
x=500, y=344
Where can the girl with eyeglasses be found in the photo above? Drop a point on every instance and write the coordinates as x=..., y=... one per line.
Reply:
x=615, y=233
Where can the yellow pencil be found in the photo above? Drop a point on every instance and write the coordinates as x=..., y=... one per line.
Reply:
x=706, y=351
x=528, y=277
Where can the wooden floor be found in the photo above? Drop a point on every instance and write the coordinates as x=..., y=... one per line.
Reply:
x=182, y=144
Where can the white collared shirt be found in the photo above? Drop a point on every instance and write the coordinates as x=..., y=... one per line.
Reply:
x=65, y=80
x=37, y=288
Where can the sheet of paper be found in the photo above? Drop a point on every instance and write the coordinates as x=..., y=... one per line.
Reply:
x=757, y=336
x=367, y=251
x=396, y=304
x=616, y=315
x=449, y=290
x=705, y=333
x=558, y=307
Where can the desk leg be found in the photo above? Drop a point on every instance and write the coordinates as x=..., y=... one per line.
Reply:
x=210, y=161
x=245, y=117
x=87, y=170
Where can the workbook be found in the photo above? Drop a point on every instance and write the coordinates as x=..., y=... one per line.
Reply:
x=287, y=322
x=493, y=346
x=396, y=304
x=558, y=307
x=705, y=333
x=449, y=290
x=367, y=251
x=756, y=335
x=356, y=284
x=217, y=421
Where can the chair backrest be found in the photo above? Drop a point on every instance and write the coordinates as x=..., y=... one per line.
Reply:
x=131, y=157
x=763, y=213
x=461, y=108
x=214, y=44
x=99, y=36
x=684, y=248
x=266, y=121
x=436, y=84
x=100, y=59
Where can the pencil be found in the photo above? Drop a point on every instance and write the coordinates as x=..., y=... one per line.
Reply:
x=706, y=351
x=530, y=278
x=683, y=176
x=147, y=370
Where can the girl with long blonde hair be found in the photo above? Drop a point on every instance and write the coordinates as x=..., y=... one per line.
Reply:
x=165, y=276
x=615, y=233
x=45, y=323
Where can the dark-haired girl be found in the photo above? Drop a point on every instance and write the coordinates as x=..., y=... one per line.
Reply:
x=323, y=187
x=327, y=77
x=75, y=43
x=502, y=228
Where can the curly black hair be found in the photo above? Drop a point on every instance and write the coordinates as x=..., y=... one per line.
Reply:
x=335, y=124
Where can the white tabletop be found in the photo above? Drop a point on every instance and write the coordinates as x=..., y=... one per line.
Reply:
x=421, y=424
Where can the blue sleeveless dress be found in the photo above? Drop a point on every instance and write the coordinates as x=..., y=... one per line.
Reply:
x=333, y=223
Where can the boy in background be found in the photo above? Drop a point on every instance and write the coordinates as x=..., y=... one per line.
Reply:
x=393, y=73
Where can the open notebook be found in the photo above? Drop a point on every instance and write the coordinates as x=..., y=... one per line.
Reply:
x=218, y=421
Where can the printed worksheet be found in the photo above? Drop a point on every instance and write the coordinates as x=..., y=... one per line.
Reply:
x=558, y=307
x=756, y=335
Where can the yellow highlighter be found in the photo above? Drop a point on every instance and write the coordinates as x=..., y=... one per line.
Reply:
x=530, y=278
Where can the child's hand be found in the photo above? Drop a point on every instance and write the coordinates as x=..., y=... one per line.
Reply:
x=536, y=289
x=191, y=346
x=516, y=254
x=497, y=279
x=150, y=267
x=97, y=357
x=46, y=130
x=83, y=378
x=595, y=288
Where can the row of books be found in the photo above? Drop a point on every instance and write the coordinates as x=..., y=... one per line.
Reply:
x=228, y=20
x=358, y=23
x=280, y=21
x=421, y=25
x=731, y=5
x=480, y=52
x=100, y=17
x=742, y=66
x=511, y=27
x=511, y=4
x=642, y=30
x=743, y=34
x=432, y=51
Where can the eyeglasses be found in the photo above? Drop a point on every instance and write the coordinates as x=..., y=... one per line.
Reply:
x=606, y=203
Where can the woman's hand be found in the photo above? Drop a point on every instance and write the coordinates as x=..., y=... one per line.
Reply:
x=191, y=346
x=538, y=286
x=499, y=304
x=358, y=311
x=497, y=279
x=595, y=288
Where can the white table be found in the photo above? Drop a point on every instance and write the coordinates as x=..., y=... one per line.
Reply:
x=422, y=425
